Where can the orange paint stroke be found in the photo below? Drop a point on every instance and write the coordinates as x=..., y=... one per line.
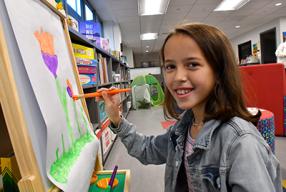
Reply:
x=45, y=40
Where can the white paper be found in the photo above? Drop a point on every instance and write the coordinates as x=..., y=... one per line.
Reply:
x=65, y=123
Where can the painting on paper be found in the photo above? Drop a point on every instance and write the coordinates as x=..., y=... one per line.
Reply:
x=71, y=144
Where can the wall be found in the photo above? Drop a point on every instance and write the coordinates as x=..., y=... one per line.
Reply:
x=144, y=71
x=113, y=33
x=153, y=59
x=254, y=35
x=282, y=27
x=129, y=55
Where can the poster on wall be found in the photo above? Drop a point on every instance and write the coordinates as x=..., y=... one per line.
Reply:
x=284, y=36
x=71, y=145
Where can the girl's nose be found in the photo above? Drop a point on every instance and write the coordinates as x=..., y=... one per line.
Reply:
x=181, y=74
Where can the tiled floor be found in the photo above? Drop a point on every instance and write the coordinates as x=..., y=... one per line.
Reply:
x=151, y=177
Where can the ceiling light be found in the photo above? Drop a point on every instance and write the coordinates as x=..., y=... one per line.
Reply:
x=151, y=7
x=147, y=51
x=230, y=5
x=237, y=26
x=148, y=36
x=278, y=4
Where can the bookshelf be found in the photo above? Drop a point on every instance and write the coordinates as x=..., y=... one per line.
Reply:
x=110, y=72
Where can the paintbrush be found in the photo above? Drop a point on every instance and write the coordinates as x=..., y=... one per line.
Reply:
x=110, y=183
x=94, y=94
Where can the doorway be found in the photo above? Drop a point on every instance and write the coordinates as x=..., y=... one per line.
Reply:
x=268, y=46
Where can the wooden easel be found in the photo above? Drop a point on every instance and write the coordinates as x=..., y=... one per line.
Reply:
x=15, y=118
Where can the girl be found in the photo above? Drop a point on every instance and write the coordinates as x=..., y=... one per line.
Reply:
x=214, y=145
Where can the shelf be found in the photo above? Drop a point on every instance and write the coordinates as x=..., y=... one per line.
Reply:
x=114, y=64
x=79, y=38
x=118, y=82
x=88, y=86
x=105, y=84
x=128, y=81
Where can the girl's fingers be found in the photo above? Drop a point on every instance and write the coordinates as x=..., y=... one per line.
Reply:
x=112, y=88
x=106, y=97
x=102, y=89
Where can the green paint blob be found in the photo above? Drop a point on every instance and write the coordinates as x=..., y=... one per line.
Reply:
x=60, y=169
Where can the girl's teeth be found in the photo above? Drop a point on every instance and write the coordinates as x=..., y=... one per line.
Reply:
x=182, y=92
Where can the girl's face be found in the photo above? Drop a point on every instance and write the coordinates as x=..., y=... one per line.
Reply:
x=188, y=76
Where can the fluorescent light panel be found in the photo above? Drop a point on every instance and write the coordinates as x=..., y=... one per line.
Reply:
x=230, y=5
x=152, y=7
x=278, y=4
x=148, y=36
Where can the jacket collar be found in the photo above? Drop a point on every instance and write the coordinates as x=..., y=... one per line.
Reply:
x=205, y=135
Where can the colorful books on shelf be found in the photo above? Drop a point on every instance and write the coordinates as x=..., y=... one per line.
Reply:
x=87, y=79
x=82, y=61
x=87, y=64
x=83, y=52
x=103, y=69
x=86, y=69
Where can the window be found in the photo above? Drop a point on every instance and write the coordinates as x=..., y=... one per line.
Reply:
x=75, y=5
x=88, y=13
x=82, y=11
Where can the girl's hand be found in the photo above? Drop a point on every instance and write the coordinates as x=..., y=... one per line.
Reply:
x=112, y=105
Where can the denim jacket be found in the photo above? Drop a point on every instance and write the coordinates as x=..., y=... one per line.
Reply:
x=229, y=156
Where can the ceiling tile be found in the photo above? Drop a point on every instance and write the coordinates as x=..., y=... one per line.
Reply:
x=150, y=24
x=124, y=12
x=181, y=2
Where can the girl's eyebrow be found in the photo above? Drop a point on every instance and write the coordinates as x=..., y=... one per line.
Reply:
x=191, y=59
x=185, y=60
x=169, y=61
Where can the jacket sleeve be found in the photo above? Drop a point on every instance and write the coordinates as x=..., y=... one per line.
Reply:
x=252, y=166
x=147, y=149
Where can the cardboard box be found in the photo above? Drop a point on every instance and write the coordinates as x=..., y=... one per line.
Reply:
x=87, y=79
x=102, y=43
x=91, y=62
x=10, y=173
x=83, y=52
x=90, y=29
x=86, y=69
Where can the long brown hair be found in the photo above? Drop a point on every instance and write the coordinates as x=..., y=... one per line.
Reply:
x=226, y=100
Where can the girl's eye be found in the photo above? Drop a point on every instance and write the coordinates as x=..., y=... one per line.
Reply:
x=192, y=65
x=169, y=67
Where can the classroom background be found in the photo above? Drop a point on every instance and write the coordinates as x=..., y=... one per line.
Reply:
x=53, y=51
